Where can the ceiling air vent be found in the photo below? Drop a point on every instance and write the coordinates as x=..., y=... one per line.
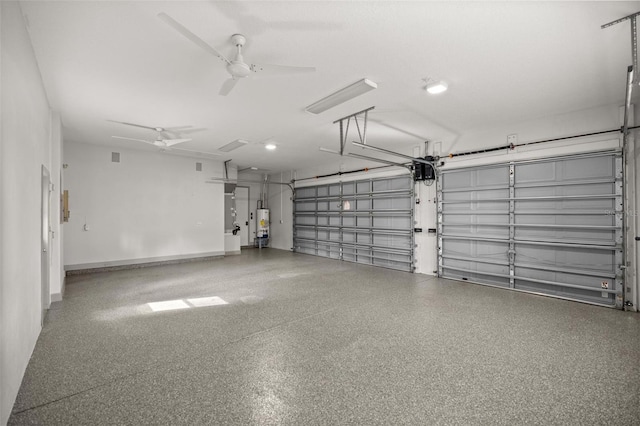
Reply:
x=233, y=145
x=115, y=157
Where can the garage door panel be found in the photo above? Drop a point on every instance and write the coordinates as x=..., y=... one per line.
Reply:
x=390, y=184
x=567, y=169
x=566, y=292
x=391, y=222
x=392, y=203
x=566, y=219
x=478, y=277
x=478, y=178
x=473, y=196
x=581, y=168
x=585, y=259
x=593, y=283
x=363, y=221
x=537, y=172
x=366, y=221
x=472, y=230
x=472, y=207
x=476, y=249
x=306, y=220
x=306, y=192
x=557, y=233
x=602, y=205
x=363, y=205
x=469, y=219
x=569, y=190
x=581, y=236
x=348, y=188
x=306, y=206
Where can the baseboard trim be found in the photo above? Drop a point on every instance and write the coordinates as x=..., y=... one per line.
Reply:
x=56, y=297
x=228, y=253
x=116, y=265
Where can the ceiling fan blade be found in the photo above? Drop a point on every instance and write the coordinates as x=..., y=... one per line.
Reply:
x=135, y=125
x=177, y=129
x=171, y=142
x=280, y=69
x=227, y=86
x=186, y=131
x=191, y=36
x=132, y=139
x=197, y=152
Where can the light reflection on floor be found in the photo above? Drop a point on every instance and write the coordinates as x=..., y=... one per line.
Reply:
x=170, y=305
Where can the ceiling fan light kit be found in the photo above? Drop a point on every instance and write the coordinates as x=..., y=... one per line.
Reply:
x=353, y=90
x=435, y=87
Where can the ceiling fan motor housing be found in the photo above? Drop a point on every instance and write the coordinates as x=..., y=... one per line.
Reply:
x=238, y=69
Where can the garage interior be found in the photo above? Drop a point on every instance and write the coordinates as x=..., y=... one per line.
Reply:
x=425, y=213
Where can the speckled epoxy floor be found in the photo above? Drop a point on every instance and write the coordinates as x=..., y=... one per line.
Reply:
x=306, y=340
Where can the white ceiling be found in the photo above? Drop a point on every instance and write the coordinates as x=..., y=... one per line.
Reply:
x=505, y=62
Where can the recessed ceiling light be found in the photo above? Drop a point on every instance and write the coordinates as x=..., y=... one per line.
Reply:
x=436, y=87
x=270, y=146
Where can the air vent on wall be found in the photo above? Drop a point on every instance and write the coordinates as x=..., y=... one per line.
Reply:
x=198, y=167
x=115, y=157
x=233, y=145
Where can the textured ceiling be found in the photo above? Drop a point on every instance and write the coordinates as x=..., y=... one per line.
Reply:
x=504, y=62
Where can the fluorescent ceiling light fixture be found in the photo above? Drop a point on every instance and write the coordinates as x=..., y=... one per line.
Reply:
x=233, y=145
x=330, y=151
x=270, y=146
x=342, y=95
x=436, y=87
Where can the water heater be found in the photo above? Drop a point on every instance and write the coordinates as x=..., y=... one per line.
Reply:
x=262, y=223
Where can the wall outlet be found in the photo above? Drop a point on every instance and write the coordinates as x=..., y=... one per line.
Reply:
x=512, y=138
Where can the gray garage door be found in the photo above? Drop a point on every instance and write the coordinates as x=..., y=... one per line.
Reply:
x=366, y=221
x=550, y=226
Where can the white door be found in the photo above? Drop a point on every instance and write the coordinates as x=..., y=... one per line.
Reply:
x=45, y=260
x=242, y=213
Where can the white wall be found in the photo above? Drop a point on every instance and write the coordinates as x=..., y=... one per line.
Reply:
x=150, y=206
x=57, y=271
x=25, y=144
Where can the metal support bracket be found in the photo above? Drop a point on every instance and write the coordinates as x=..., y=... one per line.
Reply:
x=634, y=36
x=512, y=221
x=344, y=127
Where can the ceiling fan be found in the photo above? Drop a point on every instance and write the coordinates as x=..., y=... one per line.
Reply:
x=163, y=131
x=159, y=142
x=237, y=68
x=166, y=145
